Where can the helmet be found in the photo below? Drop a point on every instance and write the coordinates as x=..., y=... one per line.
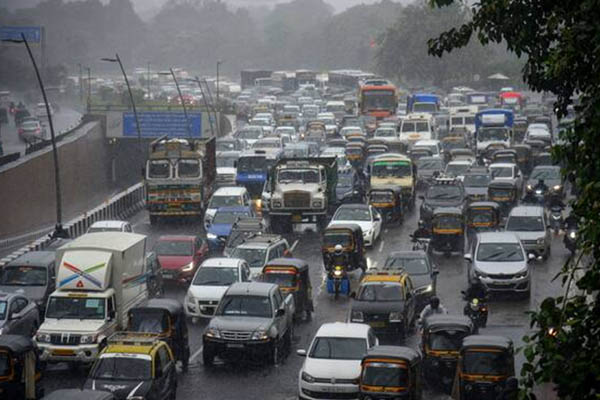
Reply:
x=338, y=249
x=434, y=302
x=421, y=224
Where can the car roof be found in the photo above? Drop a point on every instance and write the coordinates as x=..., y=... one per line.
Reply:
x=171, y=305
x=251, y=288
x=230, y=209
x=498, y=237
x=108, y=224
x=502, y=165
x=354, y=206
x=221, y=262
x=527, y=211
x=284, y=261
x=34, y=258
x=177, y=238
x=343, y=329
x=398, y=352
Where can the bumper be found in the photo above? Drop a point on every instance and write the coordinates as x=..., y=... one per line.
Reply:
x=508, y=285
x=82, y=353
x=227, y=348
x=327, y=391
x=177, y=276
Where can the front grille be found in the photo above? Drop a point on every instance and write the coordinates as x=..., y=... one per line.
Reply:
x=501, y=277
x=296, y=200
x=336, y=381
x=208, y=303
x=235, y=335
x=65, y=339
x=330, y=395
x=376, y=317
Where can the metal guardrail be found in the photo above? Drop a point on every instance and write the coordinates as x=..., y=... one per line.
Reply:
x=119, y=206
x=42, y=143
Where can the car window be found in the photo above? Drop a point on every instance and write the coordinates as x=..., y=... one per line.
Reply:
x=277, y=300
x=13, y=309
x=372, y=339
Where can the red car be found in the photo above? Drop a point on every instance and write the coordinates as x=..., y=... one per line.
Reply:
x=180, y=256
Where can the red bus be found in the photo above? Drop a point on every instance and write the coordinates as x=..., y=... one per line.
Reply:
x=378, y=99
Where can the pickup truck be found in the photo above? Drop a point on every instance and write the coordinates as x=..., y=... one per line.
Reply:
x=253, y=319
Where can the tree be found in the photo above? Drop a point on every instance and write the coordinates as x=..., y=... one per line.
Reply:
x=559, y=41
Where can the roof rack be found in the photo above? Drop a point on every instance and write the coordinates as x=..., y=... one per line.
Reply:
x=133, y=338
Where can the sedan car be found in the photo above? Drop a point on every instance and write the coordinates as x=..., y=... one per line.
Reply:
x=18, y=315
x=31, y=131
x=476, y=183
x=180, y=255
x=365, y=216
x=499, y=260
x=551, y=176
x=332, y=366
x=457, y=168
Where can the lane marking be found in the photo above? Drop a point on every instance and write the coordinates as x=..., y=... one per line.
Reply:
x=380, y=245
x=196, y=354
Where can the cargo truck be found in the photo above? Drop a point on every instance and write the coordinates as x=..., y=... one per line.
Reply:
x=100, y=277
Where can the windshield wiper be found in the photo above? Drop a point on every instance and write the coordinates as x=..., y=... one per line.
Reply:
x=210, y=283
x=493, y=256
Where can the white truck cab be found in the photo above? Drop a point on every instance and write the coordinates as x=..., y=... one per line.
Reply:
x=416, y=127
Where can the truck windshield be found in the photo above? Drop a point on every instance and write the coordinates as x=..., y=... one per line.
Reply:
x=248, y=306
x=226, y=162
x=487, y=134
x=424, y=107
x=188, y=168
x=23, y=276
x=252, y=164
x=298, y=175
x=159, y=169
x=76, y=308
x=123, y=369
x=391, y=169
x=379, y=100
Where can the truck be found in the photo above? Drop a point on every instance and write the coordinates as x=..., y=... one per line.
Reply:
x=249, y=77
x=180, y=177
x=253, y=318
x=253, y=167
x=100, y=276
x=493, y=129
x=302, y=190
x=423, y=103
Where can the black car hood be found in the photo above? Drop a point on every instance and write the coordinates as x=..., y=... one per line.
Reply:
x=34, y=293
x=421, y=280
x=377, y=307
x=120, y=389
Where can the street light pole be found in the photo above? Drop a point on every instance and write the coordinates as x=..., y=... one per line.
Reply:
x=187, y=121
x=219, y=62
x=137, y=121
x=89, y=91
x=58, y=230
x=199, y=82
x=214, y=108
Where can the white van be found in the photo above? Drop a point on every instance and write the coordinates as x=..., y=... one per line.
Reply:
x=416, y=127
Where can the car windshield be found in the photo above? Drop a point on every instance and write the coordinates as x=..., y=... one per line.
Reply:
x=188, y=168
x=380, y=292
x=444, y=192
x=385, y=374
x=344, y=180
x=525, y=224
x=228, y=217
x=226, y=162
x=252, y=164
x=174, y=248
x=446, y=340
x=248, y=306
x=225, y=145
x=123, y=369
x=392, y=169
x=75, y=308
x=429, y=164
x=298, y=176
x=501, y=172
x=413, y=266
x=237, y=237
x=352, y=214
x=226, y=201
x=476, y=180
x=456, y=169
x=254, y=257
x=249, y=133
x=29, y=125
x=545, y=173
x=148, y=321
x=23, y=276
x=500, y=252
x=338, y=348
x=159, y=169
x=385, y=133
x=3, y=307
x=487, y=134
x=211, y=276
x=485, y=363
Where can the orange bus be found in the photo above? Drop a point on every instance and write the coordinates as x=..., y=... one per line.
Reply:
x=378, y=99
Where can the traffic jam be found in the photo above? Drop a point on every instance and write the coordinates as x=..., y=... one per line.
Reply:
x=349, y=239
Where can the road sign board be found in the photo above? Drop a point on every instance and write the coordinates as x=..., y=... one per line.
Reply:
x=159, y=123
x=33, y=34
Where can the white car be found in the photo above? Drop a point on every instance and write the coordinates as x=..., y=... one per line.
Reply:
x=458, y=168
x=365, y=216
x=507, y=171
x=40, y=110
x=434, y=146
x=230, y=196
x=332, y=366
x=210, y=282
x=110, y=226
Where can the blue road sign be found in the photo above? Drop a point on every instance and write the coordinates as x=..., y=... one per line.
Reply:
x=159, y=123
x=33, y=34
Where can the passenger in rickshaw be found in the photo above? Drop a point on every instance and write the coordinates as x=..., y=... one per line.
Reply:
x=291, y=274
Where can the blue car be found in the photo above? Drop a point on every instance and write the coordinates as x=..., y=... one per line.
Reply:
x=220, y=226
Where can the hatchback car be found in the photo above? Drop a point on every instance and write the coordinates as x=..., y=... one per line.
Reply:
x=365, y=216
x=530, y=224
x=499, y=260
x=258, y=249
x=180, y=255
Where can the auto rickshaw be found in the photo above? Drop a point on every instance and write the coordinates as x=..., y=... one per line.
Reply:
x=350, y=237
x=291, y=274
x=505, y=156
x=441, y=339
x=356, y=137
x=505, y=193
x=20, y=368
x=376, y=149
x=484, y=365
x=355, y=153
x=315, y=128
x=489, y=151
x=462, y=154
x=391, y=372
x=482, y=216
x=519, y=129
x=389, y=204
x=448, y=230
x=337, y=142
x=166, y=319
x=524, y=159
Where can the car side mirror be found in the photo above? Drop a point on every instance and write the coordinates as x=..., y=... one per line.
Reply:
x=301, y=352
x=280, y=313
x=435, y=272
x=468, y=257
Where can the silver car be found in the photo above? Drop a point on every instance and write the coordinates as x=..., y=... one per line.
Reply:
x=18, y=315
x=530, y=224
x=499, y=260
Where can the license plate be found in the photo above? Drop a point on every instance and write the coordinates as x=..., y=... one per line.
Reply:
x=169, y=275
x=377, y=324
x=297, y=218
x=235, y=346
x=62, y=352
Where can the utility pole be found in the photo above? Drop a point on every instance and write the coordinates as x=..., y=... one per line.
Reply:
x=89, y=91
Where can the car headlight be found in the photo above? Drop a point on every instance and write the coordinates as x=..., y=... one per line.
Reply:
x=573, y=235
x=480, y=274
x=260, y=334
x=188, y=267
x=521, y=275
x=211, y=236
x=306, y=377
x=88, y=339
x=317, y=203
x=357, y=316
x=259, y=204
x=42, y=337
x=540, y=241
x=189, y=298
x=212, y=332
x=396, y=316
x=276, y=203
x=556, y=188
x=425, y=289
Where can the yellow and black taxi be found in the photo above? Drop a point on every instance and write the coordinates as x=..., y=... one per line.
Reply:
x=20, y=369
x=135, y=366
x=386, y=301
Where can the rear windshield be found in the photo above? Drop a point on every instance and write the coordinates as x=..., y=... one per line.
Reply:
x=23, y=276
x=485, y=363
x=385, y=374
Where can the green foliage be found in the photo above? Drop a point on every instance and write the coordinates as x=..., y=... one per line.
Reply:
x=559, y=40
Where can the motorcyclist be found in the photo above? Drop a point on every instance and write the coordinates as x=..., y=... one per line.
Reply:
x=434, y=307
x=422, y=232
x=571, y=222
x=529, y=197
x=541, y=185
x=555, y=200
x=476, y=290
x=338, y=257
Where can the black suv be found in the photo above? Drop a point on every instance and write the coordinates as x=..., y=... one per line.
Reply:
x=443, y=192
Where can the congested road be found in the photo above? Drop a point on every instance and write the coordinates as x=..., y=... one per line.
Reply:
x=250, y=381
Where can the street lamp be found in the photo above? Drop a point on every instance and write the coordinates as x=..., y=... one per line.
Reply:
x=58, y=230
x=137, y=121
x=219, y=62
x=89, y=91
x=199, y=82
x=187, y=121
x=214, y=107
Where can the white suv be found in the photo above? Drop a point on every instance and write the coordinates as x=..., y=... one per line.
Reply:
x=332, y=366
x=259, y=249
x=230, y=196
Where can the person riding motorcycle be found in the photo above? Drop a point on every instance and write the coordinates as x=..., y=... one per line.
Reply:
x=476, y=290
x=338, y=257
x=541, y=185
x=571, y=222
x=422, y=232
x=529, y=197
x=434, y=307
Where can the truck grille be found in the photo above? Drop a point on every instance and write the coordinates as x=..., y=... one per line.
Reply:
x=234, y=335
x=65, y=339
x=226, y=178
x=296, y=200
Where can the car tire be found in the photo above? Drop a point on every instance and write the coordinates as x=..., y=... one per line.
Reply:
x=208, y=358
x=275, y=353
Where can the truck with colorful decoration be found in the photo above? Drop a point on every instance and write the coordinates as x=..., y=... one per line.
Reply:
x=99, y=278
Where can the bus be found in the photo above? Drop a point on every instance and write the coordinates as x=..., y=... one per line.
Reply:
x=378, y=99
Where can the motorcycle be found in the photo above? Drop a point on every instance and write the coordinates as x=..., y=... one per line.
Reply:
x=556, y=218
x=477, y=311
x=570, y=240
x=540, y=195
x=420, y=243
x=337, y=278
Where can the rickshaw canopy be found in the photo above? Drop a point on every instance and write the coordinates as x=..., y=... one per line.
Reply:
x=289, y=263
x=441, y=322
x=393, y=353
x=487, y=341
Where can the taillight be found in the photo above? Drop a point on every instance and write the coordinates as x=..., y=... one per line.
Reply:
x=21, y=130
